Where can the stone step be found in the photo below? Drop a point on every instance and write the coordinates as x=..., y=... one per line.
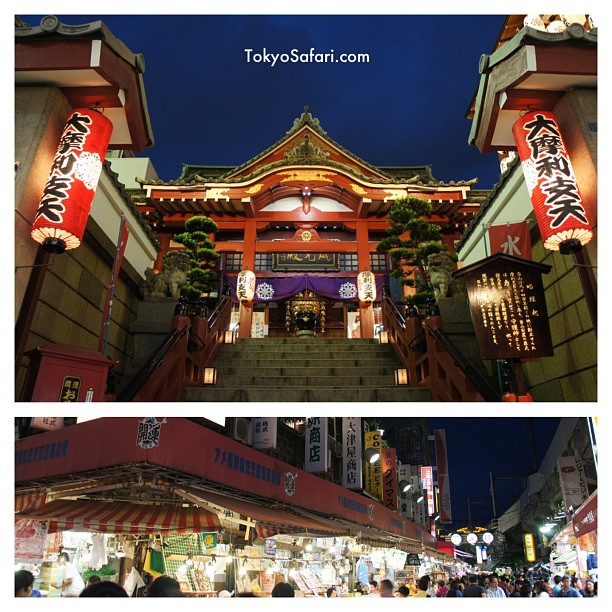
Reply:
x=313, y=394
x=345, y=380
x=287, y=369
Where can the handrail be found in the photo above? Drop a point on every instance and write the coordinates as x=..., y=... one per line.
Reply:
x=139, y=379
x=489, y=393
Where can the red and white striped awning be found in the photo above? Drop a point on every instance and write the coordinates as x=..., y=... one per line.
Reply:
x=32, y=501
x=122, y=517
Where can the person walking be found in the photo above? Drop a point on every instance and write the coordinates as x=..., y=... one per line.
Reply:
x=454, y=589
x=493, y=589
x=442, y=589
x=283, y=589
x=473, y=589
x=386, y=588
x=72, y=583
x=422, y=586
x=541, y=589
x=566, y=589
x=588, y=590
x=24, y=584
x=164, y=586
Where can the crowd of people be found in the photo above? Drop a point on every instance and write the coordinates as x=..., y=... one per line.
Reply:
x=472, y=585
x=485, y=585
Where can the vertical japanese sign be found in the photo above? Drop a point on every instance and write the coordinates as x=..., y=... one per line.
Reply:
x=427, y=482
x=530, y=550
x=551, y=181
x=446, y=515
x=389, y=469
x=374, y=478
x=573, y=482
x=352, y=464
x=404, y=499
x=264, y=432
x=316, y=443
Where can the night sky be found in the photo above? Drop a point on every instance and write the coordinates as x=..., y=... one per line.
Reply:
x=477, y=446
x=210, y=105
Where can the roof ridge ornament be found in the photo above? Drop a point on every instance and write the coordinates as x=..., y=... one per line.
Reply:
x=306, y=118
x=305, y=151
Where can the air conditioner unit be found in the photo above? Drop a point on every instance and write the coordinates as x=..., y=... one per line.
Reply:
x=242, y=430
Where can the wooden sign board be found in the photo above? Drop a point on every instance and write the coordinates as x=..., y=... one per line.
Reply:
x=508, y=308
x=306, y=262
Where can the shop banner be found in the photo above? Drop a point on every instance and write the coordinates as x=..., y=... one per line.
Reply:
x=30, y=536
x=585, y=519
x=529, y=545
x=183, y=447
x=389, y=469
x=573, y=482
x=404, y=499
x=446, y=515
x=316, y=444
x=374, y=479
x=427, y=482
x=352, y=472
x=264, y=432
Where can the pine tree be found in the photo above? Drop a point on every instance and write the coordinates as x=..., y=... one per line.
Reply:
x=409, y=216
x=202, y=276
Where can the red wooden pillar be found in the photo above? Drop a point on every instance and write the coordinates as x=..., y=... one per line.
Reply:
x=164, y=242
x=248, y=263
x=366, y=309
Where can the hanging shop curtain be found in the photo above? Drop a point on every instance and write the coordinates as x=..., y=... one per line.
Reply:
x=122, y=517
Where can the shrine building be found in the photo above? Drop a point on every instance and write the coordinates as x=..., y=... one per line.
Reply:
x=306, y=216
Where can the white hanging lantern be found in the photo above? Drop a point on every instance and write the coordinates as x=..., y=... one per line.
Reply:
x=366, y=286
x=245, y=287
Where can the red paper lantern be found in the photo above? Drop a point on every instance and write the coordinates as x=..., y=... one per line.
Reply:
x=245, y=286
x=62, y=215
x=551, y=182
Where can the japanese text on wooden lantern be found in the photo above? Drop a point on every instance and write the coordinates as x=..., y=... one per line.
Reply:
x=245, y=286
x=366, y=285
x=551, y=182
x=62, y=215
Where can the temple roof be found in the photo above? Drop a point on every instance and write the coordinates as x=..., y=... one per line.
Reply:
x=306, y=143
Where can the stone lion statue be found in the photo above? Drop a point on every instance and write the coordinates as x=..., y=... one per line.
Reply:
x=441, y=268
x=170, y=279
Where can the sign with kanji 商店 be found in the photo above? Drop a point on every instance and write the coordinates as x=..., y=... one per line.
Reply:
x=508, y=308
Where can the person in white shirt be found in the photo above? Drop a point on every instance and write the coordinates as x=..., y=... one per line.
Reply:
x=72, y=584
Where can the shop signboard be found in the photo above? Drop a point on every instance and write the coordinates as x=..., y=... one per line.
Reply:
x=316, y=444
x=47, y=423
x=264, y=432
x=427, y=482
x=507, y=307
x=352, y=472
x=530, y=551
x=413, y=559
x=404, y=499
x=389, y=469
x=271, y=546
x=446, y=515
x=374, y=476
x=573, y=482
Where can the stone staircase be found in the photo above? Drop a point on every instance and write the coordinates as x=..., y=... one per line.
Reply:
x=306, y=370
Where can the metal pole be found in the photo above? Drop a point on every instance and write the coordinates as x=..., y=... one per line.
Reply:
x=493, y=494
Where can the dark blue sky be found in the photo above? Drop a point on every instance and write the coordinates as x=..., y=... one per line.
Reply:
x=210, y=105
x=477, y=446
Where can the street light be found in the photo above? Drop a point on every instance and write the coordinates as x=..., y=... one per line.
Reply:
x=372, y=455
x=404, y=486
